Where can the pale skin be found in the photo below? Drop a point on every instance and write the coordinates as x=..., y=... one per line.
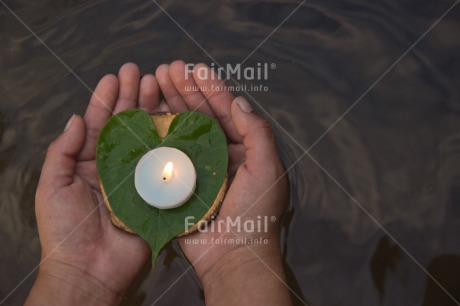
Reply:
x=88, y=261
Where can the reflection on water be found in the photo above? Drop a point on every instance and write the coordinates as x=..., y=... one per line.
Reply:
x=396, y=152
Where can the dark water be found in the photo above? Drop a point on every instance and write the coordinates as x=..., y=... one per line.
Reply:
x=396, y=152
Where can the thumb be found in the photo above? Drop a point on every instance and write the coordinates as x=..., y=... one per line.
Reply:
x=261, y=156
x=59, y=166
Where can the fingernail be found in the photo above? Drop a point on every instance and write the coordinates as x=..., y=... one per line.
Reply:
x=69, y=123
x=244, y=105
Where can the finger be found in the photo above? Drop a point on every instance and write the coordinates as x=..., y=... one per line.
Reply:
x=164, y=108
x=59, y=167
x=262, y=159
x=172, y=96
x=98, y=112
x=129, y=87
x=219, y=98
x=236, y=156
x=182, y=78
x=149, y=93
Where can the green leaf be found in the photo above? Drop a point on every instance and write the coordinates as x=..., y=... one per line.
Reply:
x=129, y=135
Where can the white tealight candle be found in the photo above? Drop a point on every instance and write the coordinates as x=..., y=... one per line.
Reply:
x=165, y=178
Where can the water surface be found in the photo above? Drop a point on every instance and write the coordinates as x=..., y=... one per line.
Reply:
x=396, y=153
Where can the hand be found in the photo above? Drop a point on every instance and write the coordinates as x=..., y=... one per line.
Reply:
x=259, y=189
x=84, y=257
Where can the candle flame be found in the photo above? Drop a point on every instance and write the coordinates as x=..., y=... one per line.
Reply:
x=167, y=172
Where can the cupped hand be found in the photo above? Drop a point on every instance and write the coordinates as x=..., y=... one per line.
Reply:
x=86, y=260
x=259, y=189
x=83, y=254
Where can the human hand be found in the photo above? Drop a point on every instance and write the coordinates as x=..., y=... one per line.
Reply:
x=259, y=189
x=85, y=259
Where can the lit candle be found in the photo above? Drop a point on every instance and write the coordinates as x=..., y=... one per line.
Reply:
x=168, y=171
x=165, y=178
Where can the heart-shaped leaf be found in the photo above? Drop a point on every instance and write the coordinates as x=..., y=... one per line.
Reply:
x=129, y=135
